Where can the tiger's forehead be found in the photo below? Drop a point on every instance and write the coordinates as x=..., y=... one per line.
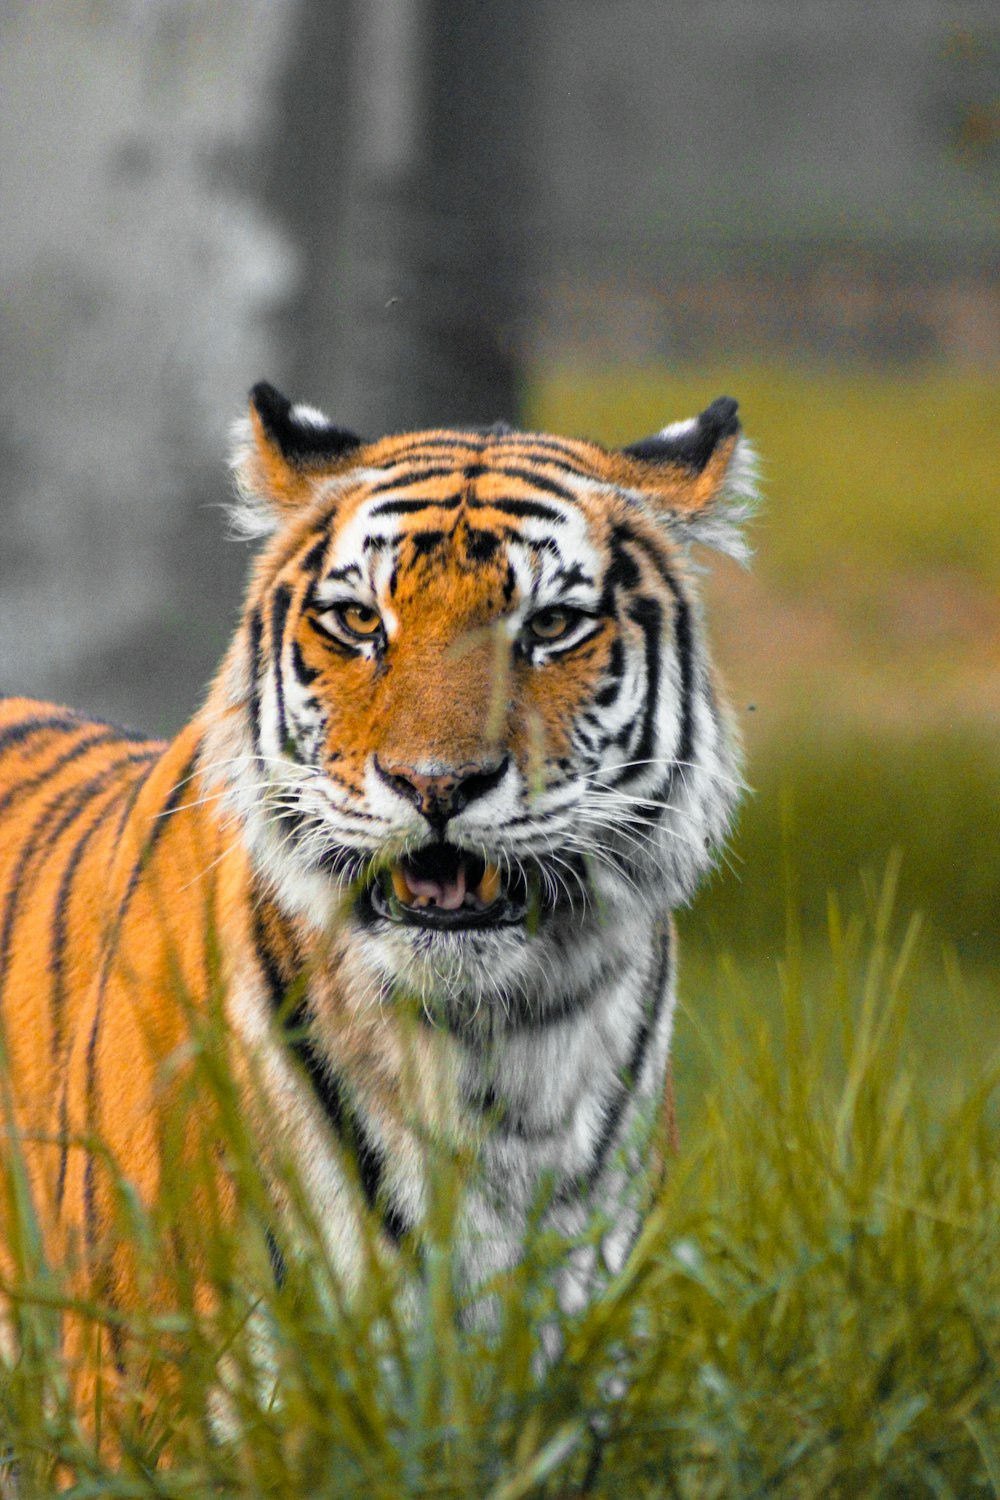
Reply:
x=450, y=497
x=494, y=447
x=496, y=477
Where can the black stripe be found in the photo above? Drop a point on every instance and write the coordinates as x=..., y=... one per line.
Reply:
x=89, y=1204
x=159, y=827
x=582, y=640
x=276, y=987
x=572, y=575
x=544, y=544
x=44, y=834
x=368, y=1155
x=685, y=652
x=278, y=1269
x=630, y=1074
x=648, y=615
x=403, y=507
x=649, y=810
x=130, y=801
x=15, y=734
x=57, y=944
x=255, y=630
x=395, y=1225
x=474, y=441
x=684, y=636
x=66, y=719
x=425, y=542
x=406, y=481
x=338, y=575
x=310, y=561
x=607, y=694
x=519, y=508
x=305, y=674
x=528, y=446
x=623, y=534
x=529, y=477
x=102, y=737
x=280, y=601
x=623, y=570
x=481, y=546
x=332, y=642
x=540, y=450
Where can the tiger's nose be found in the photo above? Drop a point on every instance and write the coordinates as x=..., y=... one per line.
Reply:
x=442, y=794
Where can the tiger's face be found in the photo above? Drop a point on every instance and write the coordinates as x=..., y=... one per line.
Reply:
x=478, y=725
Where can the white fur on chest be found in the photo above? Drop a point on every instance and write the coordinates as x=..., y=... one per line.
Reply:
x=544, y=1108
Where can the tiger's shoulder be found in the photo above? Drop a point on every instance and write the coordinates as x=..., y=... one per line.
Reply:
x=80, y=805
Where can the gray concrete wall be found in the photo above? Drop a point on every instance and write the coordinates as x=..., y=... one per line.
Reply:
x=769, y=119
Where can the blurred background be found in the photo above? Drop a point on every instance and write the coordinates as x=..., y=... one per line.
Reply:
x=588, y=216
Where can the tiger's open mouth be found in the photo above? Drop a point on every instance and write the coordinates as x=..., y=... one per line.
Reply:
x=450, y=888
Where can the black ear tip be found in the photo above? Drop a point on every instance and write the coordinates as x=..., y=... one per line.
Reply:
x=271, y=406
x=304, y=437
x=720, y=418
x=691, y=443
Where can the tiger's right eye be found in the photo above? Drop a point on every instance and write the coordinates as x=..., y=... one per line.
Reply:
x=358, y=622
x=359, y=619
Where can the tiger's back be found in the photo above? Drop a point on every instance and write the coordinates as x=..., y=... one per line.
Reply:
x=66, y=789
x=80, y=802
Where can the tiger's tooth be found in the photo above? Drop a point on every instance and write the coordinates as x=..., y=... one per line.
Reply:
x=488, y=888
x=399, y=885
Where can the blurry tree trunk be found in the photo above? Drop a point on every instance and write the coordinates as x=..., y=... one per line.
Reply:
x=141, y=272
x=410, y=206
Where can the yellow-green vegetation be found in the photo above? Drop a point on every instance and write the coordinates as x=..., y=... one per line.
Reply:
x=813, y=1308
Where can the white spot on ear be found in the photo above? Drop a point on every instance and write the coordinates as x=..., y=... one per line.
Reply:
x=678, y=429
x=308, y=416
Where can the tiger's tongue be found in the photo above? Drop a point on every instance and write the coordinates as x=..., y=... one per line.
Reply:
x=447, y=894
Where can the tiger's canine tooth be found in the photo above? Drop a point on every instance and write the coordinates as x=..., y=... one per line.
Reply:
x=399, y=884
x=488, y=888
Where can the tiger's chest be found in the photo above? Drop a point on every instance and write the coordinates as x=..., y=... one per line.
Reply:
x=536, y=1112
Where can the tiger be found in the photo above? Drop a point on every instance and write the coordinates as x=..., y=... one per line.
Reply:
x=464, y=757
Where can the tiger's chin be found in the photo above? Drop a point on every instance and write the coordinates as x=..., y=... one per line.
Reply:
x=483, y=950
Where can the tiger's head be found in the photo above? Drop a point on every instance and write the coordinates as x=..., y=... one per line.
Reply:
x=470, y=714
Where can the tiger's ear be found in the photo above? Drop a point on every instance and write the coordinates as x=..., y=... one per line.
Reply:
x=700, y=477
x=279, y=452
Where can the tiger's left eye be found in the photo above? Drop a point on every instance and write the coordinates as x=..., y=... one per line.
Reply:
x=552, y=624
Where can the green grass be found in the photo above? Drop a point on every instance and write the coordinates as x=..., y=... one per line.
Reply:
x=846, y=803
x=812, y=1309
